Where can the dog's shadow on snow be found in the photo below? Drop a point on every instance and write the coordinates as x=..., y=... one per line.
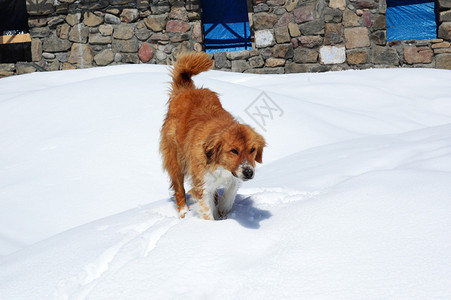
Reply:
x=243, y=211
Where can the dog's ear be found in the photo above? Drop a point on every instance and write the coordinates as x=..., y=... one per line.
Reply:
x=213, y=148
x=260, y=145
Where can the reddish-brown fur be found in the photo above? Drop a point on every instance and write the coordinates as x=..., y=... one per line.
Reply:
x=198, y=134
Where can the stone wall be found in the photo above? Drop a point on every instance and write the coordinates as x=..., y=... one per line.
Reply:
x=69, y=34
x=289, y=36
x=313, y=36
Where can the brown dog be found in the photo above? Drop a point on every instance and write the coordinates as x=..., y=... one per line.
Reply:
x=202, y=141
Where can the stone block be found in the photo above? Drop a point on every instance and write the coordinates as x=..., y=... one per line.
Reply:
x=156, y=23
x=283, y=51
x=445, y=16
x=198, y=47
x=79, y=34
x=282, y=34
x=124, y=32
x=380, y=23
x=239, y=66
x=304, y=14
x=356, y=37
x=441, y=45
x=55, y=44
x=274, y=62
x=194, y=16
x=276, y=2
x=310, y=41
x=104, y=57
x=24, y=68
x=443, y=61
x=237, y=55
x=285, y=20
x=312, y=27
x=256, y=62
x=197, y=32
x=145, y=52
x=332, y=15
x=130, y=58
x=366, y=19
x=385, y=56
x=340, y=4
x=40, y=8
x=127, y=46
x=366, y=4
x=142, y=33
x=294, y=30
x=357, y=57
x=63, y=31
x=106, y=30
x=264, y=21
x=68, y=66
x=332, y=54
x=36, y=49
x=333, y=35
x=179, y=13
x=40, y=22
x=47, y=55
x=444, y=4
x=159, y=37
x=221, y=61
x=177, y=26
x=81, y=55
x=40, y=32
x=261, y=7
x=418, y=55
x=52, y=22
x=112, y=19
x=305, y=55
x=442, y=50
x=350, y=18
x=291, y=4
x=444, y=31
x=264, y=38
x=129, y=15
x=294, y=68
x=99, y=39
x=379, y=37
x=91, y=20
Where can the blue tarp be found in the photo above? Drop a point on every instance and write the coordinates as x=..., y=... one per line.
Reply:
x=226, y=25
x=411, y=20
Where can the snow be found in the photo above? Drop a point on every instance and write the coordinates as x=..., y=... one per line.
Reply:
x=353, y=199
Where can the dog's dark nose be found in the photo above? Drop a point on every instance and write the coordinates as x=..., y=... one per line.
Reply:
x=248, y=173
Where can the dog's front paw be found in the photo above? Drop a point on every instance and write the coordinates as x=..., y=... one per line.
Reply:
x=222, y=215
x=183, y=211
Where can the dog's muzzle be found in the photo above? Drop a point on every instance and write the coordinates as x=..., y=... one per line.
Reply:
x=246, y=172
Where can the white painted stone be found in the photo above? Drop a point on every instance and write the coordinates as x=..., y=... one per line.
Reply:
x=264, y=38
x=332, y=54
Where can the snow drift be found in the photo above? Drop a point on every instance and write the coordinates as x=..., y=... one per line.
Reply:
x=353, y=199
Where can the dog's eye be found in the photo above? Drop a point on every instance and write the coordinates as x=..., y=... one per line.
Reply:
x=252, y=150
x=234, y=151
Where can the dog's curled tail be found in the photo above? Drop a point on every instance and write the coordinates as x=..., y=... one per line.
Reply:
x=188, y=65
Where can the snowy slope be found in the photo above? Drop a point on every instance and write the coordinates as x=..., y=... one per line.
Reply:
x=353, y=199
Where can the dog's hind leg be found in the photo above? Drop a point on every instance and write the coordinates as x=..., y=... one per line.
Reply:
x=176, y=174
x=179, y=194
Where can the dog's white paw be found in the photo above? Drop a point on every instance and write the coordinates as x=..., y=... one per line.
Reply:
x=183, y=211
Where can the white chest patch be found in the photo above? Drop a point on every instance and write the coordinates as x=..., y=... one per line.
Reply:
x=219, y=178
